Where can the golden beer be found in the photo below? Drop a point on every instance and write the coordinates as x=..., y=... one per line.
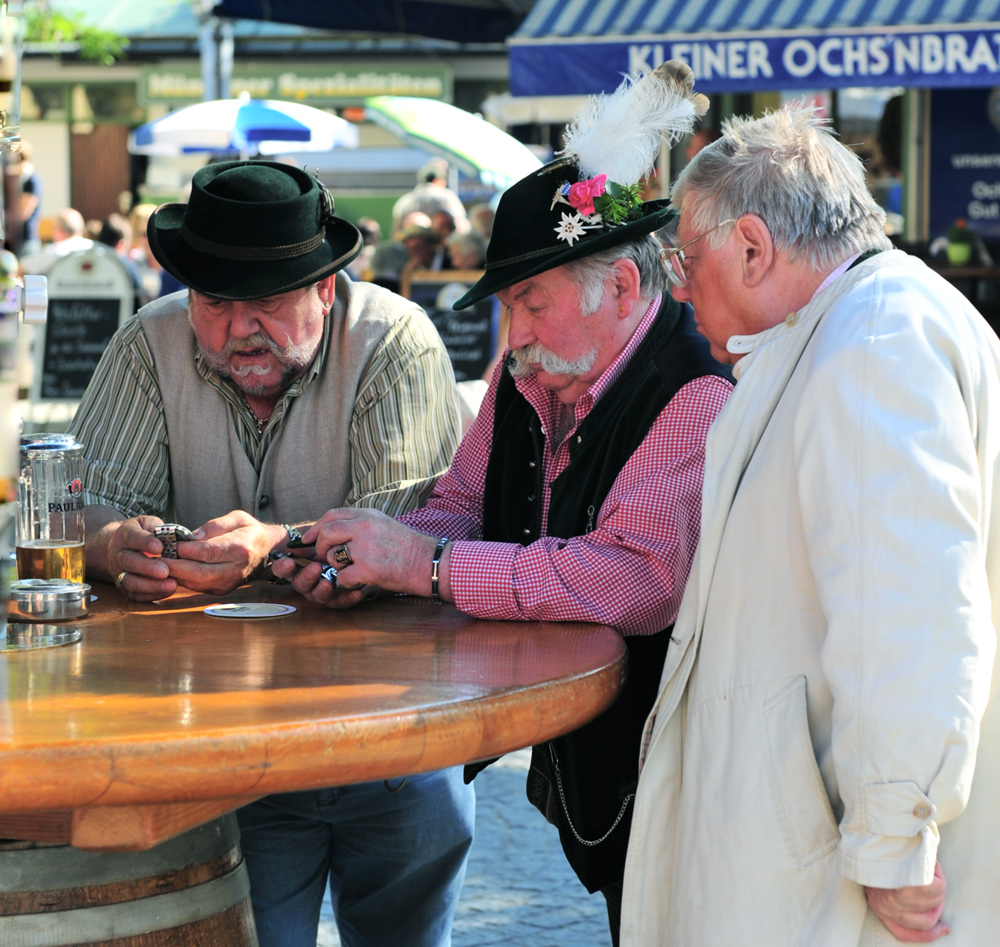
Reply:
x=48, y=559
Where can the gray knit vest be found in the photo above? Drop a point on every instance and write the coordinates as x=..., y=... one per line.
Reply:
x=307, y=467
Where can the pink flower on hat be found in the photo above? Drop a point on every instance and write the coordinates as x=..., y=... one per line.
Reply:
x=582, y=194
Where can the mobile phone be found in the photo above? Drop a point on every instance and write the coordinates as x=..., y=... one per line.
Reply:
x=170, y=534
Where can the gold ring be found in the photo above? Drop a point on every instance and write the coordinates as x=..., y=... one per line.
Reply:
x=119, y=579
x=342, y=557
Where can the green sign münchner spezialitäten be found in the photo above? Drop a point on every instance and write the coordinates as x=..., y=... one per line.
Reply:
x=311, y=85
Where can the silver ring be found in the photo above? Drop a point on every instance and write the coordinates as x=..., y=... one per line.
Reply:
x=330, y=574
x=119, y=580
x=342, y=557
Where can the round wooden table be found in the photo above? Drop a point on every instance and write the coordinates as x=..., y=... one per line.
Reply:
x=162, y=717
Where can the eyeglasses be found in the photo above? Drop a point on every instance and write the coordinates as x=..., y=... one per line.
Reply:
x=673, y=257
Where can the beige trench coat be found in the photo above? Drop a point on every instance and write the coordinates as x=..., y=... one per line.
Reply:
x=827, y=717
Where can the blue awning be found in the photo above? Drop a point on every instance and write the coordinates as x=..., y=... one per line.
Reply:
x=576, y=47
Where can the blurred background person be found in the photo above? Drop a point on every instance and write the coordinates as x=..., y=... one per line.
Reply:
x=431, y=195
x=443, y=224
x=371, y=233
x=481, y=219
x=116, y=233
x=156, y=281
x=31, y=201
x=388, y=260
x=466, y=250
x=68, y=236
x=415, y=218
x=425, y=248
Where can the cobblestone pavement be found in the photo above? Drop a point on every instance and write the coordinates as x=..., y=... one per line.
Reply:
x=518, y=887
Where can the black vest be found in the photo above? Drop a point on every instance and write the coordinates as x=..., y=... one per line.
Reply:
x=597, y=764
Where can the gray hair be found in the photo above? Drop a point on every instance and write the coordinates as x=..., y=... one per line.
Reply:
x=789, y=170
x=592, y=273
x=468, y=242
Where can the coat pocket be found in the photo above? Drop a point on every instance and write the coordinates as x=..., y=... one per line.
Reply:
x=799, y=794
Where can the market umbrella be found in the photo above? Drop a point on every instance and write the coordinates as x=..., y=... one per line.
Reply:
x=472, y=143
x=243, y=127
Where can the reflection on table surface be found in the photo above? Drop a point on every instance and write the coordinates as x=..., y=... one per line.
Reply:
x=160, y=704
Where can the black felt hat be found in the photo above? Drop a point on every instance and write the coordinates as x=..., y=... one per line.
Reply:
x=536, y=229
x=252, y=229
x=590, y=199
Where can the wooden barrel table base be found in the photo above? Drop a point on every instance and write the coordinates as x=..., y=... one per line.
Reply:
x=192, y=890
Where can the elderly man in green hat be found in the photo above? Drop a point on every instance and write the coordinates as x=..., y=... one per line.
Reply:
x=576, y=494
x=243, y=408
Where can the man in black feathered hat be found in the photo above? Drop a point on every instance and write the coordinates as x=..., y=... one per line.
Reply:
x=576, y=494
x=242, y=408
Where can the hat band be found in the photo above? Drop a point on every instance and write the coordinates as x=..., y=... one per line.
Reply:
x=533, y=255
x=285, y=252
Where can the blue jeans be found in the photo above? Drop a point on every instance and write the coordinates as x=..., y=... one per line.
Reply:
x=395, y=859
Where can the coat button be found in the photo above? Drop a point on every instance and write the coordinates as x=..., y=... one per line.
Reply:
x=579, y=439
x=264, y=502
x=527, y=532
x=921, y=810
x=531, y=464
x=531, y=498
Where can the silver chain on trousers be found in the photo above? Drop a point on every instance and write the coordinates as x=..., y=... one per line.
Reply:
x=569, y=821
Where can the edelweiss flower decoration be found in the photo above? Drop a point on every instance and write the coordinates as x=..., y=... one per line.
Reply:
x=573, y=226
x=599, y=203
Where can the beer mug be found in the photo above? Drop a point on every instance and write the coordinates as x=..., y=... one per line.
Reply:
x=50, y=532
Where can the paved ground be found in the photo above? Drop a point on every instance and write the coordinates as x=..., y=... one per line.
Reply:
x=518, y=887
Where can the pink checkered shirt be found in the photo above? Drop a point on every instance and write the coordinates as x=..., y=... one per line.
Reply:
x=629, y=570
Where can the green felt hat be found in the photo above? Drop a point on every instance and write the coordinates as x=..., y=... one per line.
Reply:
x=252, y=229
x=536, y=228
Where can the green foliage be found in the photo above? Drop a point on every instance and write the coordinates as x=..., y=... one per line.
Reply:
x=615, y=205
x=42, y=25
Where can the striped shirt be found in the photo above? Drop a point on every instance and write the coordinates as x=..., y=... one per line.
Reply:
x=630, y=568
x=395, y=446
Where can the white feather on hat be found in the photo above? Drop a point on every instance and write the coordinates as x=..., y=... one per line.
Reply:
x=620, y=134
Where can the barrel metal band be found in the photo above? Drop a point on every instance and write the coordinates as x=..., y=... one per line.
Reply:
x=50, y=866
x=107, y=922
x=224, y=251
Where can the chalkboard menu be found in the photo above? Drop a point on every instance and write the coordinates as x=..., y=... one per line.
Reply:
x=77, y=332
x=470, y=334
x=90, y=296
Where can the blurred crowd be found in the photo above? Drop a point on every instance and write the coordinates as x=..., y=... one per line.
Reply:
x=431, y=229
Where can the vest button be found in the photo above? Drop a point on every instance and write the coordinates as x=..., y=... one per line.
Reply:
x=264, y=502
x=531, y=464
x=579, y=439
x=527, y=532
x=531, y=498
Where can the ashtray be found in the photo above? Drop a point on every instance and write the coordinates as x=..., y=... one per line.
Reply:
x=47, y=600
x=24, y=636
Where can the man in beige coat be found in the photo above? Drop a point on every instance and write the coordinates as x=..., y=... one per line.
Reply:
x=822, y=764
